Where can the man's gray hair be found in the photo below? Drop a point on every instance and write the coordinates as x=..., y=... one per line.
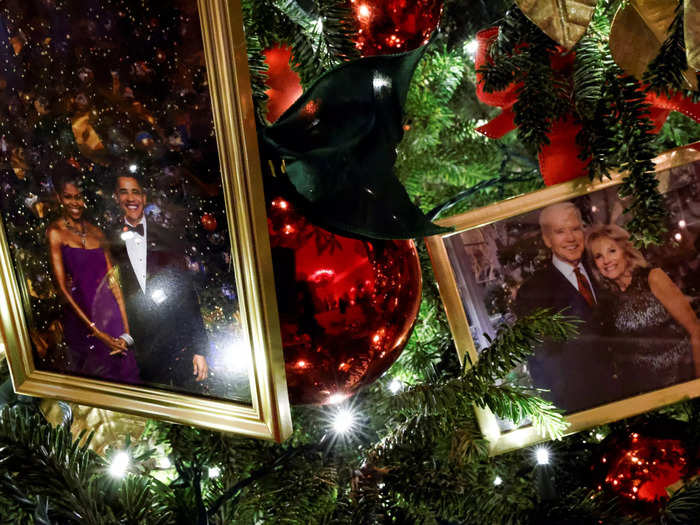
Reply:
x=560, y=207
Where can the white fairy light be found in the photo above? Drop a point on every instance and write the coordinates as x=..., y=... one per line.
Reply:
x=214, y=472
x=471, y=47
x=542, y=455
x=678, y=236
x=395, y=386
x=343, y=421
x=497, y=481
x=120, y=462
x=682, y=223
x=133, y=168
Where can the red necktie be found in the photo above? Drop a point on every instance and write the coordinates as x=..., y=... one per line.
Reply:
x=584, y=287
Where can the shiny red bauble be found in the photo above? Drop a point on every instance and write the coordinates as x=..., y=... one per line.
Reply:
x=642, y=468
x=208, y=222
x=284, y=84
x=347, y=307
x=394, y=26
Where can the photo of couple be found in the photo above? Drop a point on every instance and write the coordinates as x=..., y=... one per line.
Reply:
x=637, y=308
x=113, y=203
x=130, y=312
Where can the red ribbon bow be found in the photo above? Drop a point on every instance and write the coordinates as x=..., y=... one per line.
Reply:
x=559, y=160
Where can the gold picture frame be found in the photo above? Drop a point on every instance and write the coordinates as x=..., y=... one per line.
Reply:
x=267, y=415
x=502, y=439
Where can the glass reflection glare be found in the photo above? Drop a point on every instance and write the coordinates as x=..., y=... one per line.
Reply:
x=158, y=296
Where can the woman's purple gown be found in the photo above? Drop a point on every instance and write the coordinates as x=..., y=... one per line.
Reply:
x=87, y=355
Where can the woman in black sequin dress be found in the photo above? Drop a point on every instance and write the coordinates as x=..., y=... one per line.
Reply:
x=654, y=331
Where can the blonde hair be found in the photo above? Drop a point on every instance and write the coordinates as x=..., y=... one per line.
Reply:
x=619, y=236
x=545, y=218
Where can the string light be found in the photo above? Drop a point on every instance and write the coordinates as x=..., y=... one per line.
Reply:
x=119, y=465
x=395, y=386
x=343, y=421
x=682, y=223
x=133, y=168
x=497, y=481
x=471, y=47
x=214, y=472
x=542, y=455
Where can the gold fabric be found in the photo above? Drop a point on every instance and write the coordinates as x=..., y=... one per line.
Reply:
x=638, y=31
x=564, y=21
x=110, y=428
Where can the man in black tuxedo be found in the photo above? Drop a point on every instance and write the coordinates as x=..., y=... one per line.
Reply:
x=578, y=373
x=165, y=321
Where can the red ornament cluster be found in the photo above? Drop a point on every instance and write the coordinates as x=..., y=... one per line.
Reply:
x=394, y=26
x=560, y=159
x=284, y=84
x=644, y=467
x=209, y=222
x=347, y=306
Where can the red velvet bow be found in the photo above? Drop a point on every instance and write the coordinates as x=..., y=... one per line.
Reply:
x=559, y=160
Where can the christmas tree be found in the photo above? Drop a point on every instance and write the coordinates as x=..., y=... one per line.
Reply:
x=407, y=448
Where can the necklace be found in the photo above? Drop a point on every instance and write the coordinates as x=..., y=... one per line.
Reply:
x=81, y=233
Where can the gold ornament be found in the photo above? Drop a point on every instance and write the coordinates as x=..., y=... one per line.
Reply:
x=49, y=340
x=110, y=428
x=18, y=163
x=87, y=139
x=564, y=21
x=638, y=31
x=691, y=30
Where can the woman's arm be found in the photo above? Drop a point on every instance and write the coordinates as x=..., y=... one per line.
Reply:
x=677, y=305
x=56, y=260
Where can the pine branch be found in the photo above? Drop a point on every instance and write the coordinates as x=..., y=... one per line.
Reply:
x=53, y=465
x=666, y=73
x=521, y=55
x=684, y=505
x=516, y=404
x=512, y=345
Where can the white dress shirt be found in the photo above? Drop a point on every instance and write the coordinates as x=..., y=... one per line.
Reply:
x=568, y=271
x=136, y=249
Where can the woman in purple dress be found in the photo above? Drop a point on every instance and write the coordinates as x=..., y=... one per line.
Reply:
x=95, y=327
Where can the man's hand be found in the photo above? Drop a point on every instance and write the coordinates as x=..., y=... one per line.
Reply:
x=200, y=367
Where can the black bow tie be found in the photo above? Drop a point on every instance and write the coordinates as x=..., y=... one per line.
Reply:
x=138, y=228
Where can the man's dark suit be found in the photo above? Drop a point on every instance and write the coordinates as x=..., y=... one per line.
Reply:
x=169, y=330
x=578, y=372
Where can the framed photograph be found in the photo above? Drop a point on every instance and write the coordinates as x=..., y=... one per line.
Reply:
x=135, y=269
x=566, y=248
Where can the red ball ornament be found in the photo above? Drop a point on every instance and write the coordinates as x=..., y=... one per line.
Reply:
x=284, y=84
x=394, y=26
x=209, y=222
x=641, y=468
x=347, y=307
